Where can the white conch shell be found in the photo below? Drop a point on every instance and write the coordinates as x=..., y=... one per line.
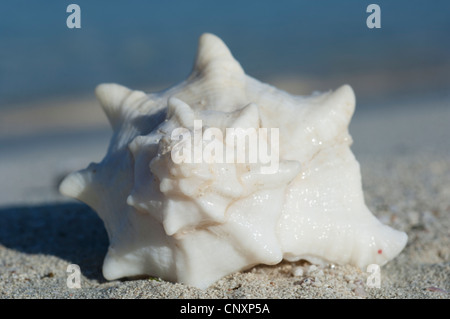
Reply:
x=197, y=222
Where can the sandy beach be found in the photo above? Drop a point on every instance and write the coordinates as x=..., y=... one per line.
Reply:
x=402, y=147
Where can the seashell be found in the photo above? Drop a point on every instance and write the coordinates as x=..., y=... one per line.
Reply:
x=196, y=218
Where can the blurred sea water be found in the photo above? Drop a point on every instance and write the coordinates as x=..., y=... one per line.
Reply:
x=153, y=43
x=50, y=123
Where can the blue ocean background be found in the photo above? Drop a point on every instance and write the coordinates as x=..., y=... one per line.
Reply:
x=144, y=44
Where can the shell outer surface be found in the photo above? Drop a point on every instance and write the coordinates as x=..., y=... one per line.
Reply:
x=222, y=172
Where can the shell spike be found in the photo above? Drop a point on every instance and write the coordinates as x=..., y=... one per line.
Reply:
x=73, y=185
x=180, y=111
x=79, y=185
x=111, y=97
x=212, y=54
x=116, y=100
x=344, y=99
